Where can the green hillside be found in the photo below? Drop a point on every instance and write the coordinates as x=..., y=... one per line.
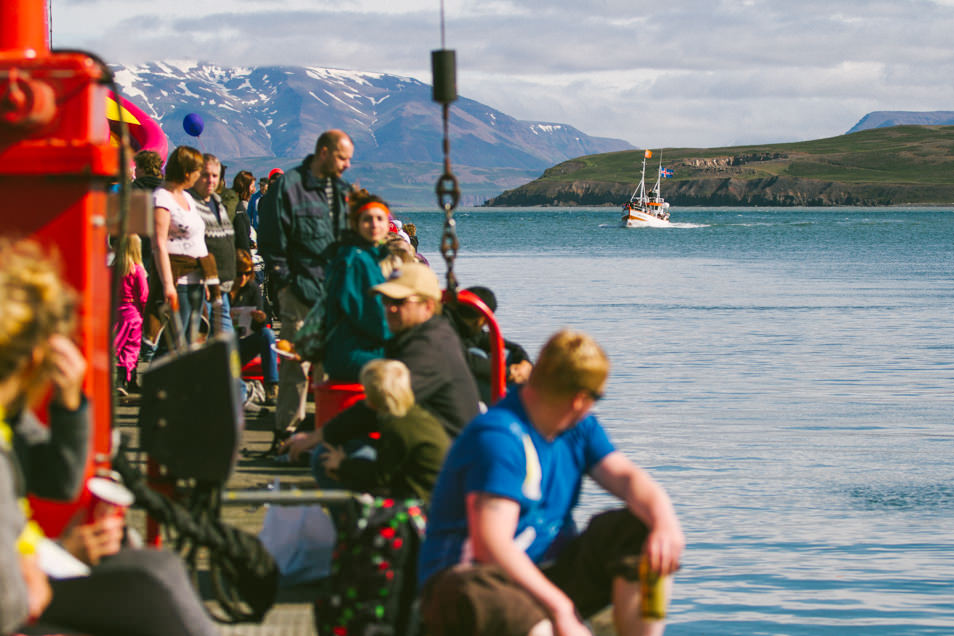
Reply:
x=884, y=166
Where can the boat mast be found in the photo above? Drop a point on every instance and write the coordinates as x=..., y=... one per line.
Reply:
x=658, y=176
x=640, y=193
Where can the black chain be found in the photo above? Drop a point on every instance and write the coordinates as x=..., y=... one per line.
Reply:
x=443, y=67
x=448, y=196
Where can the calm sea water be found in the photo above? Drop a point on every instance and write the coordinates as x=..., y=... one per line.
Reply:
x=786, y=374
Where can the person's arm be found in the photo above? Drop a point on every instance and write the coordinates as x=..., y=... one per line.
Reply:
x=301, y=442
x=272, y=238
x=163, y=264
x=243, y=232
x=365, y=312
x=54, y=459
x=493, y=521
x=647, y=500
x=141, y=288
x=14, y=591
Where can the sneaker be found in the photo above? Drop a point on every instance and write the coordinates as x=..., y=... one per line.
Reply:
x=271, y=394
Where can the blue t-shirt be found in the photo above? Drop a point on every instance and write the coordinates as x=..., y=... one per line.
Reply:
x=501, y=453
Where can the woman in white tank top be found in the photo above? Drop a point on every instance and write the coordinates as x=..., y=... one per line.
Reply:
x=180, y=231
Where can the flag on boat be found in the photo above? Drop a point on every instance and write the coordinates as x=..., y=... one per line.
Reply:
x=665, y=173
x=649, y=154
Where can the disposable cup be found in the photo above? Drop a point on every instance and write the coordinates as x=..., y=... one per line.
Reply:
x=107, y=498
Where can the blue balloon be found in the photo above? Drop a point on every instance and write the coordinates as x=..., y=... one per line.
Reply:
x=193, y=124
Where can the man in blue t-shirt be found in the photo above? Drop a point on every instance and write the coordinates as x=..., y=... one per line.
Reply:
x=502, y=554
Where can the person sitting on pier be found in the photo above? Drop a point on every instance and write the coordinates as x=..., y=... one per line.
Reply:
x=128, y=592
x=502, y=554
x=470, y=326
x=354, y=318
x=425, y=342
x=251, y=324
x=408, y=444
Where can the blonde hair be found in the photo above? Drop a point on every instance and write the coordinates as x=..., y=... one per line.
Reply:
x=570, y=362
x=35, y=304
x=387, y=386
x=128, y=255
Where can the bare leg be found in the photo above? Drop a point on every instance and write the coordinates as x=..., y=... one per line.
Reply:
x=626, y=613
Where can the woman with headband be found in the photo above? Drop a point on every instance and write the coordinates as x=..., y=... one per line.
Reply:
x=355, y=321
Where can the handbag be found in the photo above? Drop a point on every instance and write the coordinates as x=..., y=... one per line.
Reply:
x=311, y=339
x=301, y=539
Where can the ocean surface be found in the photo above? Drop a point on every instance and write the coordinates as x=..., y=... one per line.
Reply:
x=786, y=374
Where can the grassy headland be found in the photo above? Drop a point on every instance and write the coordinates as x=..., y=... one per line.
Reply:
x=884, y=166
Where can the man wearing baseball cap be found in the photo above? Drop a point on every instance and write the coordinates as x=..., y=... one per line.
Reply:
x=428, y=345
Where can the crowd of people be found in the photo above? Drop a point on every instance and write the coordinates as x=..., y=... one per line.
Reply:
x=502, y=553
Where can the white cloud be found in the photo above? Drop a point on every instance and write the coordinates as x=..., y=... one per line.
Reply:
x=686, y=72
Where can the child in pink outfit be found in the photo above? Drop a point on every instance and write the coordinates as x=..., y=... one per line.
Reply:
x=127, y=332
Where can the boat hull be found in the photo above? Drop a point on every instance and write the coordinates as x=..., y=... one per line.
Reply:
x=635, y=218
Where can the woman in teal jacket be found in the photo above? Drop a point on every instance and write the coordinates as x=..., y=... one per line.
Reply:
x=355, y=321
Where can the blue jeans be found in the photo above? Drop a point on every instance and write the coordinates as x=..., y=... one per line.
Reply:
x=191, y=300
x=226, y=316
x=260, y=343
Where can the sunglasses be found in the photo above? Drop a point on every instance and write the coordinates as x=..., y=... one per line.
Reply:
x=398, y=302
x=594, y=395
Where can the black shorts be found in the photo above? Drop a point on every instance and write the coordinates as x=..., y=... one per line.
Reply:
x=482, y=599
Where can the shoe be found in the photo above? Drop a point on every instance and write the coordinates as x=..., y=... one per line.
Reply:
x=271, y=395
x=121, y=382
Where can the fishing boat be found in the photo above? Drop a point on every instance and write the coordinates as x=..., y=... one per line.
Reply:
x=646, y=208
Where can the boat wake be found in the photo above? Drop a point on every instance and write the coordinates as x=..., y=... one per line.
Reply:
x=661, y=226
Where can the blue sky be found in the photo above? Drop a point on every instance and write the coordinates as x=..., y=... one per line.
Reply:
x=693, y=73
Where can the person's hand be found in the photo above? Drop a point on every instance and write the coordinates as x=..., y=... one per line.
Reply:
x=296, y=445
x=171, y=296
x=332, y=459
x=663, y=547
x=39, y=593
x=69, y=370
x=519, y=373
x=90, y=542
x=568, y=624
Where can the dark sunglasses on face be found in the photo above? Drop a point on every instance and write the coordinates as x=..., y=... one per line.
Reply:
x=397, y=302
x=595, y=396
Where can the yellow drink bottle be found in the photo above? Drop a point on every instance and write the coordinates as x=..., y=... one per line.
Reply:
x=652, y=588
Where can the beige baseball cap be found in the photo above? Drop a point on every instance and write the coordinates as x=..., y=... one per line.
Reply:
x=412, y=279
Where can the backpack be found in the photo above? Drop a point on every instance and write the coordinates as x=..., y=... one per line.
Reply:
x=373, y=581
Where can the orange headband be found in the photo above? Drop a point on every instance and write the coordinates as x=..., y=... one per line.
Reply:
x=372, y=204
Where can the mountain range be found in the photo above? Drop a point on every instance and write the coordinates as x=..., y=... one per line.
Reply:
x=270, y=116
x=888, y=118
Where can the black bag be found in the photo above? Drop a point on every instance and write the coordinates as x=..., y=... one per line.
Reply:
x=373, y=580
x=310, y=340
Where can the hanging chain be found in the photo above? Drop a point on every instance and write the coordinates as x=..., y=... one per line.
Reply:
x=448, y=195
x=443, y=67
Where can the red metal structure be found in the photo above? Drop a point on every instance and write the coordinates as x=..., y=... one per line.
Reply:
x=56, y=165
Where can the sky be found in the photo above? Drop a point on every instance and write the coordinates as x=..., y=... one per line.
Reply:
x=668, y=73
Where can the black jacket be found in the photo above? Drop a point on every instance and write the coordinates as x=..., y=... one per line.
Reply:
x=440, y=379
x=296, y=228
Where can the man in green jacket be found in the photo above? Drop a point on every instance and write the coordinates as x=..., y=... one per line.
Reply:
x=300, y=217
